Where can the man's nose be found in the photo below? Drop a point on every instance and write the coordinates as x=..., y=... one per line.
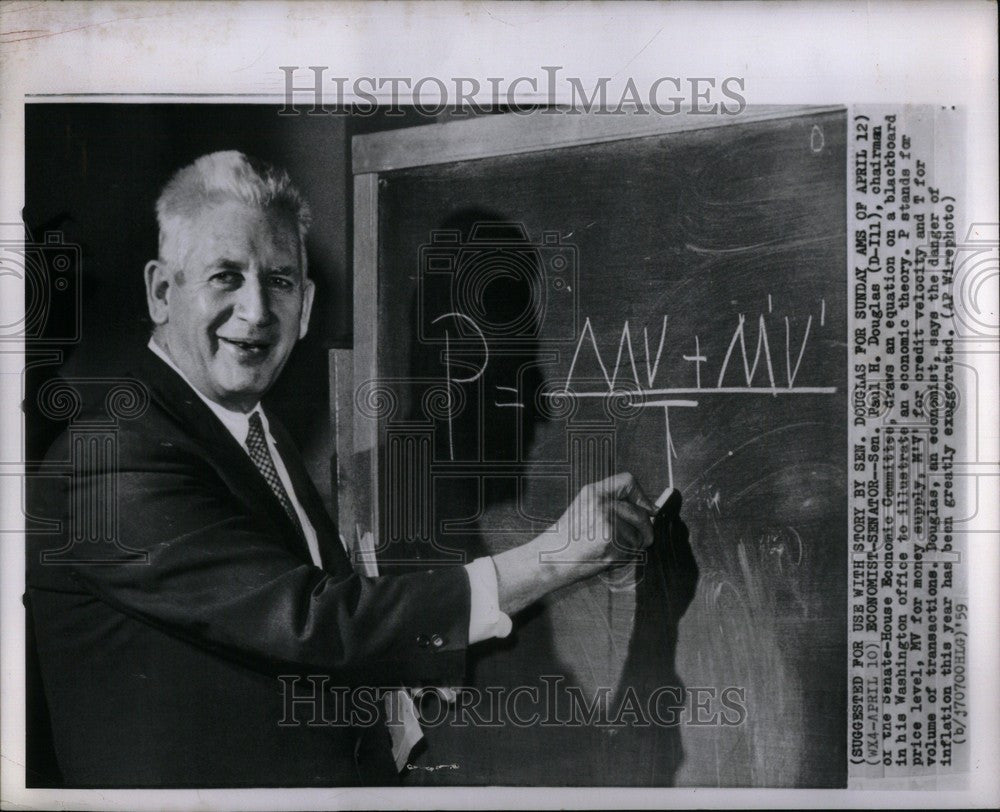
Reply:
x=252, y=302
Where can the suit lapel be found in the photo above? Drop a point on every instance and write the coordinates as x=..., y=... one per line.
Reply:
x=173, y=394
x=330, y=548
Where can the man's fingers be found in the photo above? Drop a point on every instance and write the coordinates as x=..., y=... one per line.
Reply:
x=639, y=497
x=609, y=486
x=626, y=537
x=627, y=487
x=637, y=521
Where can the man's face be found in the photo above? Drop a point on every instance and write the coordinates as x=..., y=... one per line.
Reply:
x=232, y=307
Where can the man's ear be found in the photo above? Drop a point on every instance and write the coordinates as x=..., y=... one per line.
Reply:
x=157, y=287
x=308, y=292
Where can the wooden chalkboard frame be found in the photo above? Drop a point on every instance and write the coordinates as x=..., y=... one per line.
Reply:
x=373, y=155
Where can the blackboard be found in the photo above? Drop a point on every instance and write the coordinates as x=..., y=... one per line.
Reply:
x=674, y=305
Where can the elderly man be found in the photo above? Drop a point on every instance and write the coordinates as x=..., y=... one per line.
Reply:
x=166, y=672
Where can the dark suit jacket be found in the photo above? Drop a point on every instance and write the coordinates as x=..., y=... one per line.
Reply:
x=165, y=673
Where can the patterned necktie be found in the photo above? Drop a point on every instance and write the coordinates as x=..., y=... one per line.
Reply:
x=257, y=446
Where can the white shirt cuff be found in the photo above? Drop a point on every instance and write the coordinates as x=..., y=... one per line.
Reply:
x=485, y=620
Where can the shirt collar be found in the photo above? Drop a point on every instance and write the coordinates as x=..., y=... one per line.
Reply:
x=236, y=423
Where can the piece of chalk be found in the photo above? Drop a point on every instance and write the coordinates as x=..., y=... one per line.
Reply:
x=664, y=497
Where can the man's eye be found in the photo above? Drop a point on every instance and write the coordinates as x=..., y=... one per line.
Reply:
x=227, y=278
x=281, y=282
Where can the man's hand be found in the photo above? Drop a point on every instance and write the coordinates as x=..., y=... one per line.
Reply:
x=606, y=523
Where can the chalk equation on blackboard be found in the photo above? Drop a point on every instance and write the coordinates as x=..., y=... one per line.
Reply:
x=665, y=397
x=761, y=352
x=740, y=372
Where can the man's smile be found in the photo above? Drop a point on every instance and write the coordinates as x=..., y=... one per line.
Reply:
x=246, y=348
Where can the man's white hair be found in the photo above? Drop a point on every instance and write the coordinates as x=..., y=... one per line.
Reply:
x=219, y=177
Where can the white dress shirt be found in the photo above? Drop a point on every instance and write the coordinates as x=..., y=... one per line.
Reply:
x=485, y=618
